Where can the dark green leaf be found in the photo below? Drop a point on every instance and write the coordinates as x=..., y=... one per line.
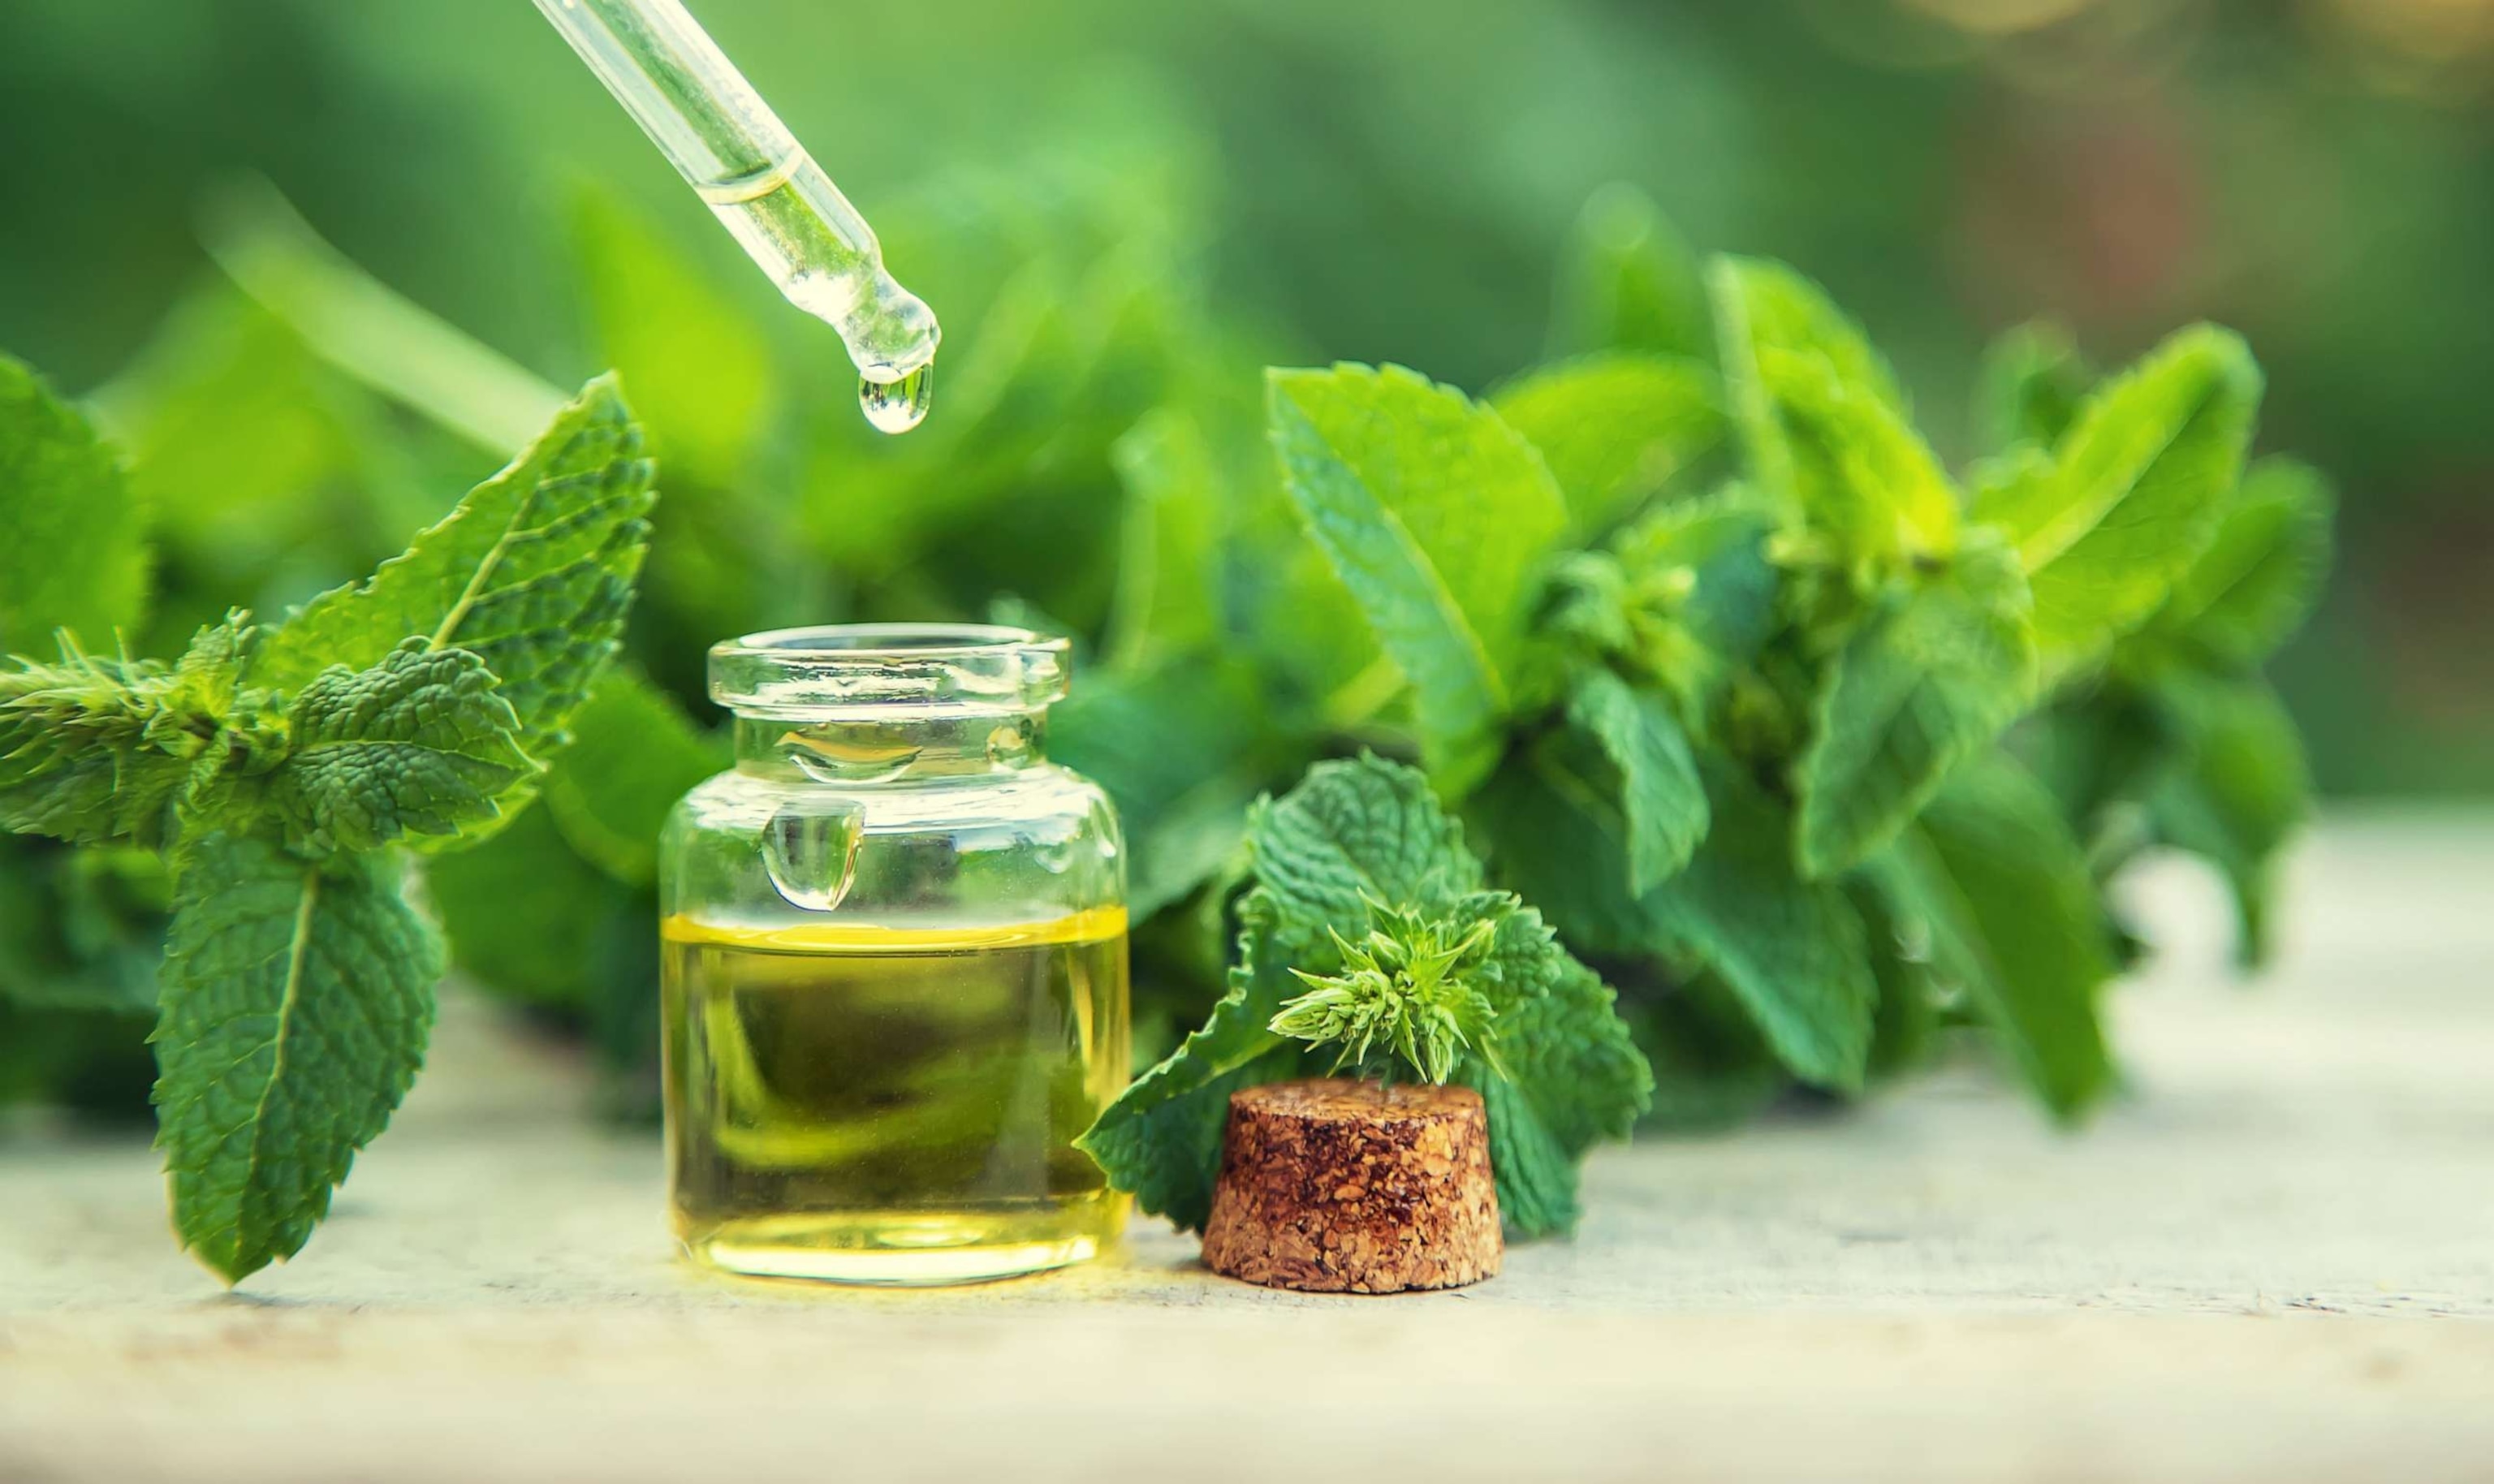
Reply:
x=1662, y=800
x=296, y=1001
x=633, y=753
x=2238, y=792
x=75, y=556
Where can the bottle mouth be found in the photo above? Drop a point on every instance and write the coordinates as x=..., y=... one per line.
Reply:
x=828, y=670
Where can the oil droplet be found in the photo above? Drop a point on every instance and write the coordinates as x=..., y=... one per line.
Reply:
x=897, y=406
x=812, y=855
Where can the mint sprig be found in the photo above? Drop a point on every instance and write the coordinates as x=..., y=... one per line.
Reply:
x=276, y=769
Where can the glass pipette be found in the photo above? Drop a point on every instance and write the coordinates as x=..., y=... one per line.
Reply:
x=770, y=194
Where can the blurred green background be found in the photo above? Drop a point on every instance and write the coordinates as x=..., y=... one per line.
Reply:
x=1254, y=179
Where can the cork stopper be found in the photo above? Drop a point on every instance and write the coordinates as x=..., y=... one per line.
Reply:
x=1340, y=1187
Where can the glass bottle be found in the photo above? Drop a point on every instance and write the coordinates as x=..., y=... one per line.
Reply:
x=894, y=965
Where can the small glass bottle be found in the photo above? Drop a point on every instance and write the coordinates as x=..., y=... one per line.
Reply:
x=894, y=965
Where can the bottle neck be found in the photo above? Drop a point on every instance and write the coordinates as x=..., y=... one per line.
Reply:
x=908, y=745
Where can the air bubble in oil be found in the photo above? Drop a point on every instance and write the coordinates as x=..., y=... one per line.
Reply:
x=898, y=406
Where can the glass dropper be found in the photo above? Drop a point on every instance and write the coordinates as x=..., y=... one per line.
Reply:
x=770, y=194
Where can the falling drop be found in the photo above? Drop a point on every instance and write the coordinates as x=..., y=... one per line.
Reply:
x=901, y=405
x=812, y=855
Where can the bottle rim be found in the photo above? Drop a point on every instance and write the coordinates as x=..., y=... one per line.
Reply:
x=826, y=670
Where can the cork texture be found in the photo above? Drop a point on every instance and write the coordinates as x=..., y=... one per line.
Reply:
x=1339, y=1187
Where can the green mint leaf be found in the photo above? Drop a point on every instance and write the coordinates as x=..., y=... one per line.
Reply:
x=1161, y=1140
x=98, y=749
x=2238, y=792
x=1662, y=798
x=1563, y=1074
x=528, y=918
x=1789, y=951
x=2258, y=579
x=1993, y=875
x=1629, y=280
x=1862, y=475
x=1927, y=682
x=1701, y=594
x=295, y=1003
x=2134, y=494
x=2030, y=388
x=1167, y=601
x=1354, y=833
x=75, y=556
x=421, y=744
x=533, y=573
x=1824, y=426
x=700, y=368
x=1615, y=428
x=633, y=753
x=1437, y=516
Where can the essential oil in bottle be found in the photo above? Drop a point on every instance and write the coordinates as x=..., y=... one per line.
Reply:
x=893, y=1103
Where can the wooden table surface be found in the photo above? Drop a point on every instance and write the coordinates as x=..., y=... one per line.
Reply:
x=2273, y=1258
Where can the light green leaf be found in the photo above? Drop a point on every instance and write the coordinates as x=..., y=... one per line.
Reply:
x=699, y=369
x=1862, y=475
x=1823, y=424
x=1629, y=280
x=1661, y=798
x=1924, y=685
x=421, y=744
x=2133, y=495
x=2030, y=388
x=1614, y=428
x=532, y=572
x=1167, y=601
x=1437, y=516
x=75, y=556
x=2260, y=575
x=296, y=1000
x=2237, y=793
x=1991, y=873
x=633, y=753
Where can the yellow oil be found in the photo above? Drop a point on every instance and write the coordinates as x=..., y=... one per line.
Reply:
x=886, y=1104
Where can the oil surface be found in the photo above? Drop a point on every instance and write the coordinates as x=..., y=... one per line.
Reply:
x=887, y=1105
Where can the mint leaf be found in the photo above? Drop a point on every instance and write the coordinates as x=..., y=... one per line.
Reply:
x=295, y=1002
x=1628, y=281
x=1161, y=1140
x=2237, y=791
x=1927, y=682
x=2260, y=573
x=1789, y=951
x=1614, y=428
x=1437, y=516
x=633, y=753
x=2030, y=388
x=1662, y=798
x=1168, y=600
x=1354, y=833
x=75, y=556
x=1991, y=874
x=1861, y=473
x=533, y=573
x=98, y=749
x=2134, y=494
x=421, y=744
x=1562, y=1073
